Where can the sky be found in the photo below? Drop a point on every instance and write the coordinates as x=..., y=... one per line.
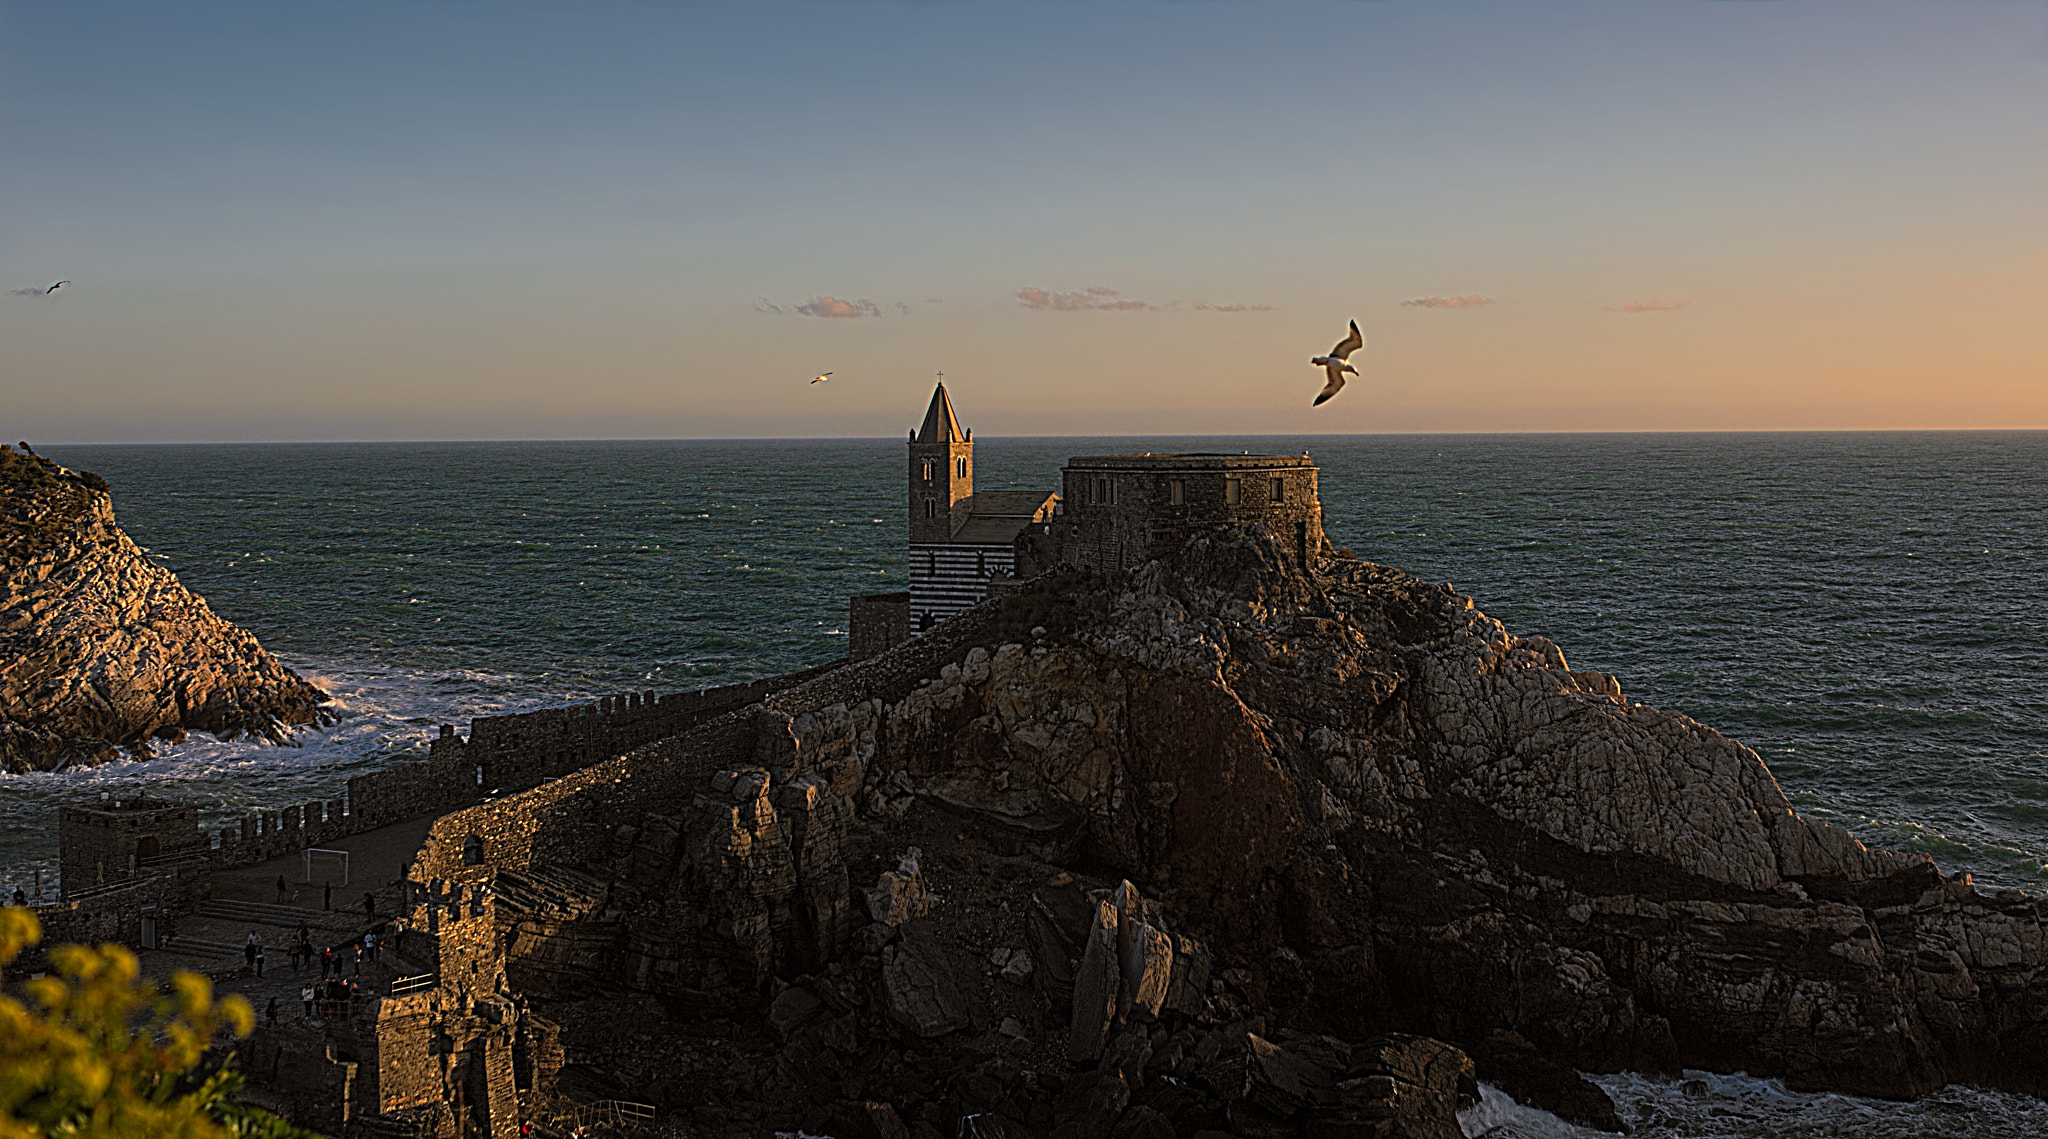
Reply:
x=448, y=220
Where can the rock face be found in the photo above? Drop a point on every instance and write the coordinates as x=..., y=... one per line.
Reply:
x=1287, y=850
x=102, y=649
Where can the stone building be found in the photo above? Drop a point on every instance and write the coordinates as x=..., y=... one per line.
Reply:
x=117, y=839
x=958, y=539
x=1119, y=511
x=1113, y=512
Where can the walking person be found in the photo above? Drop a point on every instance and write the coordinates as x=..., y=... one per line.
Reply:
x=271, y=1012
x=249, y=952
x=398, y=937
x=282, y=890
x=369, y=905
x=306, y=995
x=259, y=959
x=326, y=961
x=370, y=945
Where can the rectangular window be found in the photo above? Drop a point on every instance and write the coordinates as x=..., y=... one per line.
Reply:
x=1112, y=492
x=963, y=468
x=1101, y=490
x=1233, y=491
x=1279, y=490
x=1176, y=492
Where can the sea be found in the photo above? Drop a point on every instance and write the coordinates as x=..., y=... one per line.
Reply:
x=1868, y=610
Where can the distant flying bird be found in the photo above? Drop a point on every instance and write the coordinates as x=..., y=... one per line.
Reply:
x=821, y=378
x=55, y=287
x=1336, y=363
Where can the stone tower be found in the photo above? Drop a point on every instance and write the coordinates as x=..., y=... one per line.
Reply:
x=941, y=473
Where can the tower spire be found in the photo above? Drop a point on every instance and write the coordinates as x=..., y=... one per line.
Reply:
x=940, y=424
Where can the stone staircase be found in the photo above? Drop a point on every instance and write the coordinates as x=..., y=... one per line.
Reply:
x=552, y=893
x=287, y=917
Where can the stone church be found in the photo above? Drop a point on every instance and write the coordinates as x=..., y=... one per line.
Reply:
x=1113, y=512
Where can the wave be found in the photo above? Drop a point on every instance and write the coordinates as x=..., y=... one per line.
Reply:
x=385, y=715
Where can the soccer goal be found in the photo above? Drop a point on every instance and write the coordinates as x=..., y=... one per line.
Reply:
x=326, y=863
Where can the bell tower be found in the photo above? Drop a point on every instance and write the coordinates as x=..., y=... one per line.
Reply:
x=941, y=473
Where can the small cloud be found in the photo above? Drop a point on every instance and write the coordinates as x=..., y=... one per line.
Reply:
x=833, y=306
x=1205, y=306
x=1473, y=300
x=1097, y=298
x=1653, y=305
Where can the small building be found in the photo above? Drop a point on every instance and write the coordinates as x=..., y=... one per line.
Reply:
x=1119, y=511
x=117, y=839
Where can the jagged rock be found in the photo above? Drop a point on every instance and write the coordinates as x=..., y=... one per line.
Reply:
x=1401, y=1087
x=1088, y=1107
x=899, y=895
x=1018, y=971
x=1147, y=961
x=1514, y=1065
x=104, y=649
x=1097, y=984
x=925, y=991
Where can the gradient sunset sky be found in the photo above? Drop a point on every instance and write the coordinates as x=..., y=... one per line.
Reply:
x=460, y=220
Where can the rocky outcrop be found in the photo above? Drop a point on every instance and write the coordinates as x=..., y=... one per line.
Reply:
x=1286, y=851
x=101, y=649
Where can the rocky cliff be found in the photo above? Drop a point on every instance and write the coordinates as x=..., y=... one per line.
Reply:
x=101, y=649
x=1190, y=843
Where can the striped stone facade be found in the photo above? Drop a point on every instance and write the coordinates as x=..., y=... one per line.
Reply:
x=950, y=577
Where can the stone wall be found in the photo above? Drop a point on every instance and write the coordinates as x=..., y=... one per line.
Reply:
x=114, y=914
x=1119, y=511
x=876, y=622
x=100, y=844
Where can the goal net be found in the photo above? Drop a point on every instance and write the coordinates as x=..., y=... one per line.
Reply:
x=327, y=866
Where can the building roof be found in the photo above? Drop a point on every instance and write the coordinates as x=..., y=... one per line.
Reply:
x=996, y=517
x=1192, y=461
x=940, y=425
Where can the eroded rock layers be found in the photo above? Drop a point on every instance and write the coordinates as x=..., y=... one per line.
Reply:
x=1354, y=805
x=102, y=649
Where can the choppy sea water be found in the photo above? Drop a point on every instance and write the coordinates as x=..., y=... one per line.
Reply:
x=1866, y=610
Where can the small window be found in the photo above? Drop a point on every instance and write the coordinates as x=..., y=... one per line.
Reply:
x=1176, y=492
x=961, y=472
x=473, y=851
x=1279, y=490
x=981, y=562
x=931, y=508
x=1101, y=490
x=927, y=468
x=1112, y=492
x=1233, y=491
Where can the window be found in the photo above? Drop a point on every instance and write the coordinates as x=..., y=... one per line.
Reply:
x=931, y=508
x=927, y=468
x=1279, y=490
x=1101, y=490
x=1233, y=491
x=962, y=471
x=1176, y=492
x=981, y=563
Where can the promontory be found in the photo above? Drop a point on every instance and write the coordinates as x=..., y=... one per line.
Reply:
x=101, y=649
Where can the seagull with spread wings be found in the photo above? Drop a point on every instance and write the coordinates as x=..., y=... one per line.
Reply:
x=821, y=377
x=1338, y=362
x=55, y=287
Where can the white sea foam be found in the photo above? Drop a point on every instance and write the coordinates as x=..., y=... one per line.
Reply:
x=383, y=716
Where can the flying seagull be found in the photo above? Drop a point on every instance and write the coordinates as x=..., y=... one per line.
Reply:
x=1336, y=363
x=55, y=287
x=821, y=378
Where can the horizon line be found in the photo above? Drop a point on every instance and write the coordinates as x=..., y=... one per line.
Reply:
x=1088, y=435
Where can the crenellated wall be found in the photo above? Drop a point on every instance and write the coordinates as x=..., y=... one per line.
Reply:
x=501, y=755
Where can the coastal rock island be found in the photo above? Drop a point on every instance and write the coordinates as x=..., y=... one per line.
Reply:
x=103, y=650
x=1234, y=841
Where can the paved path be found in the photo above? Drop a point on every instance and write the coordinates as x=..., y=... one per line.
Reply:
x=245, y=900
